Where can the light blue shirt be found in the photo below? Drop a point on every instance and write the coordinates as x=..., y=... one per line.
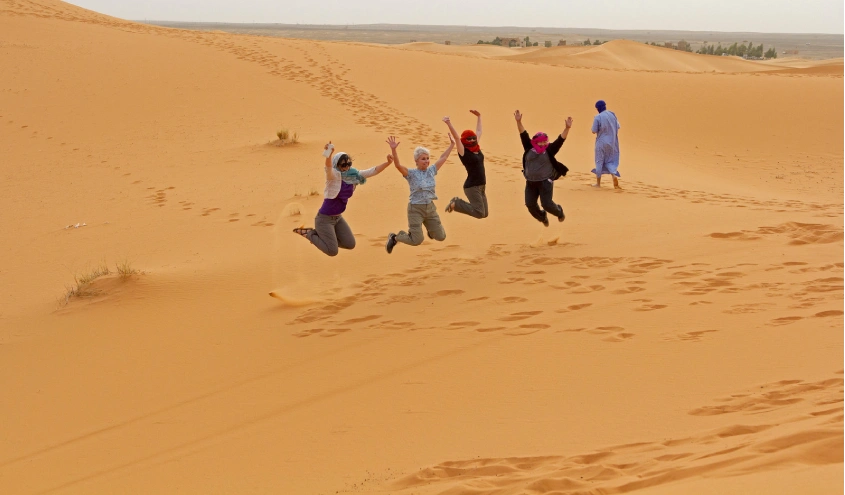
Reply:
x=422, y=185
x=606, y=127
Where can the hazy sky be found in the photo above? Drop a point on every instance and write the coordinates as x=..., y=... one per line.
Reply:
x=773, y=16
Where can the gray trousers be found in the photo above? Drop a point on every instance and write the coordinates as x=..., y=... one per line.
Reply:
x=477, y=204
x=419, y=215
x=330, y=233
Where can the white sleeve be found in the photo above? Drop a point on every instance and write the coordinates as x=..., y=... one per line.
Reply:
x=368, y=173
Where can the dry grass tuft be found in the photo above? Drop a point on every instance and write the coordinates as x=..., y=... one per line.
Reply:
x=81, y=282
x=311, y=191
x=125, y=269
x=285, y=137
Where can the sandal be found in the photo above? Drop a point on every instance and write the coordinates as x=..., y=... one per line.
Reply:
x=451, y=206
x=303, y=231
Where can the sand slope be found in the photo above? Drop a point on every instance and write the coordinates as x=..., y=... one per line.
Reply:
x=625, y=55
x=683, y=335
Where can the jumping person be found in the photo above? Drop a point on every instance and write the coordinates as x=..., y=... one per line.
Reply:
x=606, y=128
x=331, y=232
x=421, y=210
x=472, y=159
x=540, y=169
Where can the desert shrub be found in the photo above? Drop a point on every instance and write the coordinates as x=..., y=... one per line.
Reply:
x=286, y=137
x=80, y=282
x=125, y=269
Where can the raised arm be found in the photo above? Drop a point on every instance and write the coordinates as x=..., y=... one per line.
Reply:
x=555, y=146
x=478, y=124
x=566, y=129
x=373, y=171
x=523, y=136
x=393, y=143
x=455, y=135
x=518, y=116
x=329, y=159
x=440, y=161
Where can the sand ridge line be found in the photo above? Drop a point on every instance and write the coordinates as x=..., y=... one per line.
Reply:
x=808, y=430
x=317, y=70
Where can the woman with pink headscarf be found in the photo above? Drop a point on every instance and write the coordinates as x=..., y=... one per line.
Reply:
x=541, y=169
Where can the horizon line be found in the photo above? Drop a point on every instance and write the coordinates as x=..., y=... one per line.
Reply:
x=482, y=27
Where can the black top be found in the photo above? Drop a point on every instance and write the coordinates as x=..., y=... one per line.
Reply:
x=474, y=163
x=554, y=147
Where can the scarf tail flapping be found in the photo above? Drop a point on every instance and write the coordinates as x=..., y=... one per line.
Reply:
x=352, y=176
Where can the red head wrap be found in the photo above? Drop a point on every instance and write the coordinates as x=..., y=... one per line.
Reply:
x=470, y=145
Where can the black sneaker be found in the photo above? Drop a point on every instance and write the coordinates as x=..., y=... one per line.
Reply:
x=562, y=216
x=546, y=221
x=391, y=242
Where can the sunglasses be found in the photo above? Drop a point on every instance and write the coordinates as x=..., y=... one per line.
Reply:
x=472, y=139
x=344, y=164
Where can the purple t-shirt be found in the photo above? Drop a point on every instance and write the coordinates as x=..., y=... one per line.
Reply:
x=337, y=205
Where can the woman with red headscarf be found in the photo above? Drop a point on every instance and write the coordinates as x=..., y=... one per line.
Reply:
x=541, y=169
x=473, y=160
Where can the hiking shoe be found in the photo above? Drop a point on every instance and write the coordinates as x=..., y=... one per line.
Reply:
x=391, y=242
x=546, y=221
x=562, y=216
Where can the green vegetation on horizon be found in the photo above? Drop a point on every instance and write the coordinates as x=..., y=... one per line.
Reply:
x=739, y=50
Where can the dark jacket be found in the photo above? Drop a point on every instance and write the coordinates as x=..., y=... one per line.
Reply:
x=554, y=147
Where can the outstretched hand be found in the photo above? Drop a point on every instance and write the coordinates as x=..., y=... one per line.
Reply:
x=447, y=120
x=518, y=116
x=475, y=112
x=451, y=139
x=568, y=122
x=392, y=142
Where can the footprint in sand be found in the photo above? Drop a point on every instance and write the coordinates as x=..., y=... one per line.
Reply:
x=827, y=314
x=520, y=316
x=650, y=307
x=612, y=333
x=464, y=324
x=587, y=290
x=489, y=329
x=574, y=307
x=786, y=320
x=694, y=336
x=628, y=290
x=308, y=333
x=361, y=319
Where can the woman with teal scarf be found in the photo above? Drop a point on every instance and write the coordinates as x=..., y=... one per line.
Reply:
x=331, y=232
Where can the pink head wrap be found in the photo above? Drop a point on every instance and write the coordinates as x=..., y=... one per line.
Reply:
x=538, y=138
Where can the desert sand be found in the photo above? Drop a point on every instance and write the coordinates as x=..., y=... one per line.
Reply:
x=683, y=335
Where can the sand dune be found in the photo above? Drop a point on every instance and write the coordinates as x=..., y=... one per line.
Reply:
x=825, y=68
x=683, y=335
x=630, y=55
x=633, y=56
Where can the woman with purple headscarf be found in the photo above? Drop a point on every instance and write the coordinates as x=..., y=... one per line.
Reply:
x=606, y=128
x=541, y=169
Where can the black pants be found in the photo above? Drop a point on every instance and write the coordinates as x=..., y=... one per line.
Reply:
x=542, y=189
